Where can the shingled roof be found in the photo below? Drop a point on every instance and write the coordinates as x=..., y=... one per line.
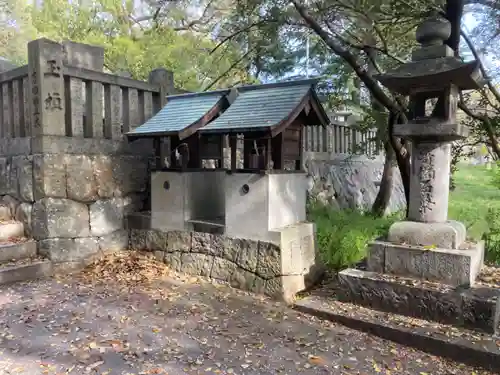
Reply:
x=266, y=107
x=183, y=114
x=263, y=107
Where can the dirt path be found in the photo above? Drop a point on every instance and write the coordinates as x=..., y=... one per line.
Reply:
x=73, y=327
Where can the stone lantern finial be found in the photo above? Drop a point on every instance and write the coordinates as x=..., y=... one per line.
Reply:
x=433, y=31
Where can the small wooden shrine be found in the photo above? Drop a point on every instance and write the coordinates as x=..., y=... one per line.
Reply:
x=264, y=121
x=252, y=135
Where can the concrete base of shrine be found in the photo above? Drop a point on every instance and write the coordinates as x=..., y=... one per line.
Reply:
x=476, y=308
x=447, y=266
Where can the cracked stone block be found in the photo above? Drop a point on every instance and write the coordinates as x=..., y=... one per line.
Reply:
x=222, y=269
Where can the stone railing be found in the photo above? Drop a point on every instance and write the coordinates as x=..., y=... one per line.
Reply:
x=14, y=99
x=63, y=91
x=340, y=139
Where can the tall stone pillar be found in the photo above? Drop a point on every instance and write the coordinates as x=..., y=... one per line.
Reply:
x=45, y=69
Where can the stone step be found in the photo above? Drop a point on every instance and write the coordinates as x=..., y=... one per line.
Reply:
x=13, y=251
x=11, y=229
x=462, y=345
x=476, y=307
x=24, y=271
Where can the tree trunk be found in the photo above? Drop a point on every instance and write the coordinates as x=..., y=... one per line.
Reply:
x=386, y=183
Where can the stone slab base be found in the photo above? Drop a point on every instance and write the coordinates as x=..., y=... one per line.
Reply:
x=476, y=308
x=24, y=272
x=448, y=235
x=452, y=267
x=467, y=347
x=21, y=250
x=256, y=266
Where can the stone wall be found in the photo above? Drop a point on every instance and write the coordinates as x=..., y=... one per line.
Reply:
x=256, y=266
x=73, y=199
x=349, y=181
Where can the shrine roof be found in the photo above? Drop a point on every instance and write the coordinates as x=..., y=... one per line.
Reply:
x=262, y=107
x=182, y=112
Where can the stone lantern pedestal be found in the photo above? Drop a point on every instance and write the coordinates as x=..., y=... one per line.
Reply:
x=425, y=266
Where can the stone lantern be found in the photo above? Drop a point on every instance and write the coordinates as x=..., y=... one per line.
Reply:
x=425, y=267
x=434, y=74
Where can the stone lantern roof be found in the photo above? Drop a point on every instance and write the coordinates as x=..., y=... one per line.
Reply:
x=434, y=66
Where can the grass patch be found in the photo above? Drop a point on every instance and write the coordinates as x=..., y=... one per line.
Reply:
x=343, y=235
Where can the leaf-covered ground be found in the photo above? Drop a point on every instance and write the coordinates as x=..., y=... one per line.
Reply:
x=129, y=315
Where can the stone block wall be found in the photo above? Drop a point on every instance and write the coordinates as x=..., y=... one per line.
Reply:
x=350, y=181
x=256, y=266
x=74, y=200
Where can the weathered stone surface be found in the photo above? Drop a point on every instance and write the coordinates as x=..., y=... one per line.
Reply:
x=19, y=250
x=474, y=308
x=137, y=239
x=10, y=202
x=248, y=254
x=350, y=181
x=52, y=217
x=25, y=272
x=114, y=241
x=103, y=171
x=24, y=177
x=5, y=166
x=68, y=249
x=179, y=241
x=242, y=279
x=5, y=213
x=156, y=240
x=269, y=260
x=430, y=182
x=23, y=215
x=130, y=174
x=447, y=235
x=451, y=267
x=81, y=184
x=245, y=264
x=197, y=264
x=375, y=259
x=222, y=269
x=106, y=216
x=49, y=176
x=174, y=260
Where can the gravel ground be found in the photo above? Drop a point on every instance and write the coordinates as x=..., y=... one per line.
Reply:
x=73, y=326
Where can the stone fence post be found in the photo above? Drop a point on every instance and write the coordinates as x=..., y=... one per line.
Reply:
x=46, y=83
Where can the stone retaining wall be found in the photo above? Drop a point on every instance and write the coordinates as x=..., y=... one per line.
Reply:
x=350, y=181
x=254, y=266
x=73, y=195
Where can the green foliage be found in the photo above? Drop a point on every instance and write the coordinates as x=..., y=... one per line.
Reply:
x=343, y=235
x=129, y=45
x=476, y=203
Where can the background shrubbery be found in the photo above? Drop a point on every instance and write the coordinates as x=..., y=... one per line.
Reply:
x=343, y=235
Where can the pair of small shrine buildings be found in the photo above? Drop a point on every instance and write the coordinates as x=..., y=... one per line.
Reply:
x=266, y=119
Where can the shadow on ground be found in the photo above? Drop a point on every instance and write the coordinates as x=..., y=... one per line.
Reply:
x=52, y=327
